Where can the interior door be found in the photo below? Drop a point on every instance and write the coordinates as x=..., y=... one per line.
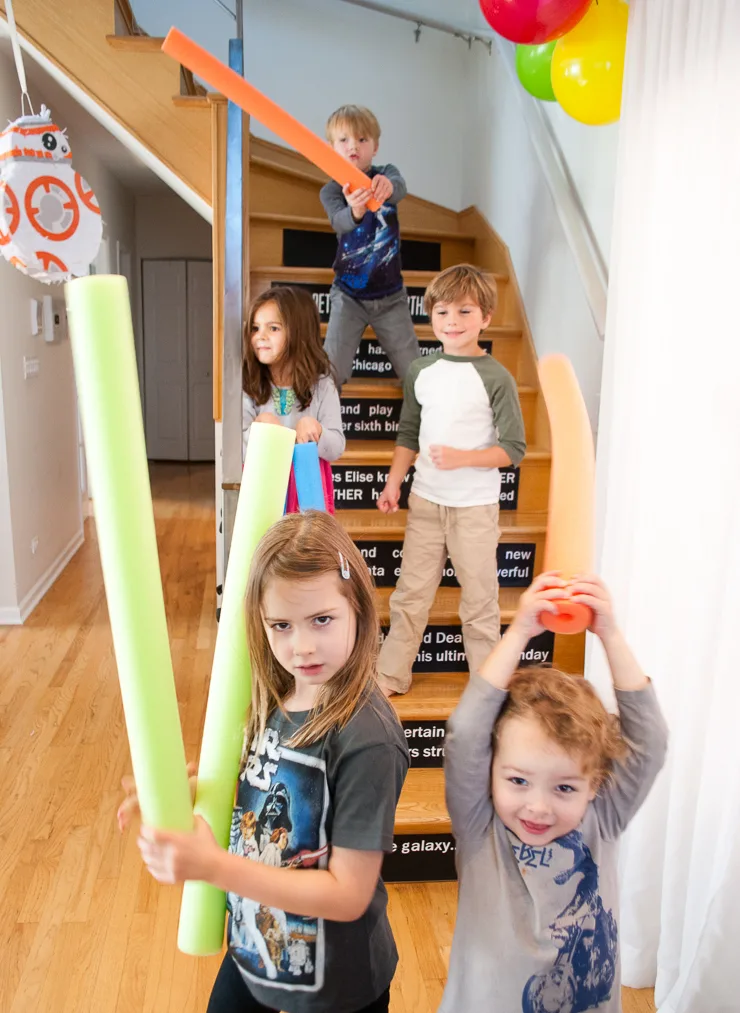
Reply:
x=201, y=430
x=165, y=359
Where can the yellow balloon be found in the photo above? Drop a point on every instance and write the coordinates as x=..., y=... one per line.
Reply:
x=588, y=64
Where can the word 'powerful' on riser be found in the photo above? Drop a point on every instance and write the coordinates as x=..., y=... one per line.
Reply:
x=515, y=562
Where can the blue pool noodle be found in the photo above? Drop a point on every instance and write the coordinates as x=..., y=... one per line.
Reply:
x=308, y=485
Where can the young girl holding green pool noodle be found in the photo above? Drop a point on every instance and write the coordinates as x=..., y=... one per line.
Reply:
x=322, y=771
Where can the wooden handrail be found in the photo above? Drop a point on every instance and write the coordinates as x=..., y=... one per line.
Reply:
x=188, y=84
x=124, y=16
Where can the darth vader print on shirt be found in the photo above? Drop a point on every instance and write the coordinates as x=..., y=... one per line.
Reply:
x=279, y=820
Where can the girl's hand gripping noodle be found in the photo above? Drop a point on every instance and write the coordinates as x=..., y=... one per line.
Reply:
x=252, y=101
x=570, y=530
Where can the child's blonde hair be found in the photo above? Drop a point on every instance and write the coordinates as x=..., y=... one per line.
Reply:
x=302, y=547
x=570, y=713
x=356, y=120
x=462, y=282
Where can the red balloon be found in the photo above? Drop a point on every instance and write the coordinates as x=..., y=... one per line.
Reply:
x=532, y=22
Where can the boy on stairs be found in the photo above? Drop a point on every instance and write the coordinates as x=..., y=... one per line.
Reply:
x=368, y=288
x=461, y=415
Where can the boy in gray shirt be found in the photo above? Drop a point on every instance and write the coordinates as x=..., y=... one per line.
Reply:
x=540, y=784
x=368, y=289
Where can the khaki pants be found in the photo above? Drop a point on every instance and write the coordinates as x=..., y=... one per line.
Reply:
x=470, y=536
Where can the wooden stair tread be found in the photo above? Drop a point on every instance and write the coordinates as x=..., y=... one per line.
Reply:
x=424, y=332
x=195, y=101
x=326, y=275
x=360, y=387
x=433, y=696
x=393, y=388
x=421, y=807
x=379, y=453
x=372, y=523
x=445, y=610
x=322, y=225
x=362, y=452
x=136, y=43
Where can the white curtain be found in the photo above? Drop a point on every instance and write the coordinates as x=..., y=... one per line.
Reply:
x=668, y=488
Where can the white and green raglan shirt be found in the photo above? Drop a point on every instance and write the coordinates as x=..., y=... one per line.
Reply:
x=465, y=402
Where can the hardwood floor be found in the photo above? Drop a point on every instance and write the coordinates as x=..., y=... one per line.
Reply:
x=83, y=929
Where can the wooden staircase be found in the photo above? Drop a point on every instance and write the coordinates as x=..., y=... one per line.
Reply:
x=292, y=243
x=289, y=241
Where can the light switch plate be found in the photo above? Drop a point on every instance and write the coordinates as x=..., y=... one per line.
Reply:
x=36, y=317
x=31, y=367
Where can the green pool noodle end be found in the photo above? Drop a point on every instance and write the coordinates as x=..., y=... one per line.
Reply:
x=261, y=503
x=104, y=358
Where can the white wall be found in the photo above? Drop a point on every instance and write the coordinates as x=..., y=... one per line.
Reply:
x=39, y=453
x=591, y=154
x=8, y=594
x=312, y=57
x=504, y=179
x=166, y=228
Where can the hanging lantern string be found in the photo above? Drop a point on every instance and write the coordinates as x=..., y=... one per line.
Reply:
x=18, y=56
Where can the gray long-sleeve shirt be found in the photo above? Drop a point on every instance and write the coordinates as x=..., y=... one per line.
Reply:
x=537, y=927
x=324, y=406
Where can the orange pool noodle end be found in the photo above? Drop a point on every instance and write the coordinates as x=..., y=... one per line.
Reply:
x=571, y=617
x=569, y=547
x=226, y=81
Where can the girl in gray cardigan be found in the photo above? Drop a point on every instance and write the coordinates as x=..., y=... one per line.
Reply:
x=287, y=379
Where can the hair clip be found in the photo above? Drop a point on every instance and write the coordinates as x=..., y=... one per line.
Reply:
x=343, y=566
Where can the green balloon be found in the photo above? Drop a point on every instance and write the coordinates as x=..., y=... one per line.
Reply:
x=533, y=69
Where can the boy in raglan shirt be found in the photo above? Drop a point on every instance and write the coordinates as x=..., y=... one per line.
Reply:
x=461, y=416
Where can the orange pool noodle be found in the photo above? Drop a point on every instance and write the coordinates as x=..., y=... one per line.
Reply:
x=570, y=531
x=252, y=101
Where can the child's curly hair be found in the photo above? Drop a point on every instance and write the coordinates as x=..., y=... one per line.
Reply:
x=571, y=714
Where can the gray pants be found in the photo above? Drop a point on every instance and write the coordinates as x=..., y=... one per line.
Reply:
x=389, y=318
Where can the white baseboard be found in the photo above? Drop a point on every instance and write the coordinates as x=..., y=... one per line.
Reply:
x=42, y=585
x=10, y=617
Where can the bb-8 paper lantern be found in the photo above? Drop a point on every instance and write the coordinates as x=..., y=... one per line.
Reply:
x=50, y=224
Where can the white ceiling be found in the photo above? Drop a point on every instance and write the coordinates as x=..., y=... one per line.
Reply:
x=83, y=129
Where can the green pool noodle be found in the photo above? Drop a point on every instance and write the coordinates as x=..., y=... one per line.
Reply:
x=261, y=503
x=104, y=358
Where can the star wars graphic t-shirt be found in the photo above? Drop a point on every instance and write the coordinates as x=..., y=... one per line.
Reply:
x=292, y=806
